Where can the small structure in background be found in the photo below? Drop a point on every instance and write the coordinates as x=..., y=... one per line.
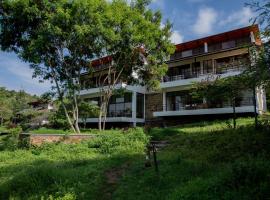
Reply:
x=42, y=108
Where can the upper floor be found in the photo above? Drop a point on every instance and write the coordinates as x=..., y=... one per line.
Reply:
x=224, y=54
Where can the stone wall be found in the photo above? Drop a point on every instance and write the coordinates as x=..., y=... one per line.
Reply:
x=153, y=103
x=39, y=139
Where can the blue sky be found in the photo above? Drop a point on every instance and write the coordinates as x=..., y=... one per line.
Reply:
x=191, y=19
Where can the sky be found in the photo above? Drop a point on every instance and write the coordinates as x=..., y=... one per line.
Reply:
x=192, y=19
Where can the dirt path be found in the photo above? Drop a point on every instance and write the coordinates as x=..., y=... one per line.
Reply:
x=112, y=177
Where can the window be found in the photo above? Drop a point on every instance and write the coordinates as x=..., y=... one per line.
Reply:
x=196, y=69
x=187, y=53
x=243, y=41
x=185, y=71
x=176, y=55
x=214, y=47
x=140, y=106
x=198, y=50
x=120, y=100
x=228, y=44
x=207, y=66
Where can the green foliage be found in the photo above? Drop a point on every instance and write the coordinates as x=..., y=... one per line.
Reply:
x=10, y=142
x=60, y=38
x=12, y=103
x=133, y=140
x=203, y=161
x=58, y=119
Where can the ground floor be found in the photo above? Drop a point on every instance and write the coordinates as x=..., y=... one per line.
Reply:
x=174, y=105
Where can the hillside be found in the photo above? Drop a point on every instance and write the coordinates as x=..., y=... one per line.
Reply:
x=202, y=161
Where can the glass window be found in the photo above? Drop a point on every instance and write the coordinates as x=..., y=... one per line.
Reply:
x=214, y=47
x=243, y=41
x=198, y=50
x=207, y=66
x=140, y=105
x=120, y=100
x=187, y=53
x=228, y=44
x=196, y=69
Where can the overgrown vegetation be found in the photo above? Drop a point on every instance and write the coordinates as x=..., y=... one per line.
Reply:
x=209, y=160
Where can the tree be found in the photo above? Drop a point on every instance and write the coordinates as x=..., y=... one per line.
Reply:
x=219, y=90
x=263, y=18
x=87, y=110
x=59, y=38
x=137, y=51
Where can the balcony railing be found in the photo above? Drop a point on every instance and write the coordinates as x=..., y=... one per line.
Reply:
x=220, y=69
x=120, y=113
x=181, y=77
x=197, y=106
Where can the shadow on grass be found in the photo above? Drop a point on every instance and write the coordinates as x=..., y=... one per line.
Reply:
x=73, y=179
x=222, y=164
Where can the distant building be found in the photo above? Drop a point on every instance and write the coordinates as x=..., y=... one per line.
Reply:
x=43, y=107
x=225, y=54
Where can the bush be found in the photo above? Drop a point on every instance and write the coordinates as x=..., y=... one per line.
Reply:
x=11, y=141
x=132, y=140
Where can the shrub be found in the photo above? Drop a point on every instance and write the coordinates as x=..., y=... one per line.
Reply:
x=11, y=141
x=132, y=140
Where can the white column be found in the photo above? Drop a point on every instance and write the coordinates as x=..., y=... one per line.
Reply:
x=205, y=47
x=144, y=106
x=164, y=103
x=252, y=37
x=134, y=107
x=201, y=64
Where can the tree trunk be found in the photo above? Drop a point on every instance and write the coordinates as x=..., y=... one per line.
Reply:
x=68, y=118
x=255, y=107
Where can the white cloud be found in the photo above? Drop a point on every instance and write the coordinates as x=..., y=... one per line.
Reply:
x=206, y=19
x=238, y=18
x=176, y=37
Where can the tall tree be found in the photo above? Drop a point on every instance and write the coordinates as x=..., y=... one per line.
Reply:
x=137, y=46
x=61, y=37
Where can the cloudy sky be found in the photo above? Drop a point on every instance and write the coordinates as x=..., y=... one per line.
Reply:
x=191, y=19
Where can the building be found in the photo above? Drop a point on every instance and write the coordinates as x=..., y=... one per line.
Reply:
x=223, y=55
x=43, y=108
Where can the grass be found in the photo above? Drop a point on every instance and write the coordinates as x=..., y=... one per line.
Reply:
x=2, y=129
x=203, y=161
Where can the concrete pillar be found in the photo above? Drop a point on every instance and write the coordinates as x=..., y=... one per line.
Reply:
x=205, y=47
x=213, y=66
x=201, y=64
x=134, y=107
x=252, y=37
x=144, y=106
x=164, y=102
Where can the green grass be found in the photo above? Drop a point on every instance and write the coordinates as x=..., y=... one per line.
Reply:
x=203, y=161
x=2, y=129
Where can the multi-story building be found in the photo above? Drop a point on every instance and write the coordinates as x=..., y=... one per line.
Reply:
x=223, y=55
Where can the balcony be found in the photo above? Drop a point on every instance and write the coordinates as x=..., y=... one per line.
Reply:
x=179, y=109
x=96, y=90
x=221, y=71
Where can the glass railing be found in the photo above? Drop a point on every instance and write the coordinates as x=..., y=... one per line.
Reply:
x=220, y=69
x=198, y=106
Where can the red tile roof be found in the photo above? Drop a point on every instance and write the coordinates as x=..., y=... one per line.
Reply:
x=234, y=34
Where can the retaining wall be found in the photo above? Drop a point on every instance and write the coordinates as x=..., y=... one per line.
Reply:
x=39, y=139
